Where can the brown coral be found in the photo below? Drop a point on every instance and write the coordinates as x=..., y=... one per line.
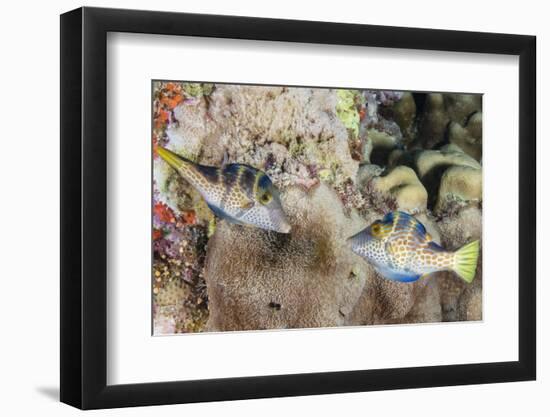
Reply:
x=310, y=278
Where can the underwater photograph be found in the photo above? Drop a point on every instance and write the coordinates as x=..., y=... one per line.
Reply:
x=286, y=207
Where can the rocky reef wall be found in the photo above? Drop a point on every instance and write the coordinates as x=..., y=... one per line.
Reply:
x=342, y=159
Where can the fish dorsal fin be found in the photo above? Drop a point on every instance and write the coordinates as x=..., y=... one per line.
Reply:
x=420, y=228
x=225, y=160
x=406, y=220
x=433, y=245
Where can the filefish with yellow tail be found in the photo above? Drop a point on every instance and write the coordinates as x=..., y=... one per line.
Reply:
x=400, y=249
x=237, y=193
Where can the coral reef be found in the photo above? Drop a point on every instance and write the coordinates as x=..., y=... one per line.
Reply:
x=468, y=137
x=459, y=185
x=449, y=175
x=403, y=185
x=438, y=113
x=308, y=278
x=341, y=159
x=404, y=114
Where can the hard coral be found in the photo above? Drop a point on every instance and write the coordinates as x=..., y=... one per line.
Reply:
x=403, y=185
x=310, y=274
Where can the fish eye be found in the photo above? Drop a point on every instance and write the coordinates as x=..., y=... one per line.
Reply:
x=266, y=197
x=376, y=229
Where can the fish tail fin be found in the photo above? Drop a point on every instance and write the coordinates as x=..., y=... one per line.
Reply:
x=173, y=159
x=466, y=261
x=184, y=166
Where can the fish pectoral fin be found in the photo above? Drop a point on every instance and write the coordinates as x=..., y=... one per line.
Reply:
x=225, y=160
x=390, y=249
x=246, y=204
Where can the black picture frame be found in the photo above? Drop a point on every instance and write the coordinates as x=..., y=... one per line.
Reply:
x=84, y=207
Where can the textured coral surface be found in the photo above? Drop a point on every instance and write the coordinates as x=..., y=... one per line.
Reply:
x=341, y=159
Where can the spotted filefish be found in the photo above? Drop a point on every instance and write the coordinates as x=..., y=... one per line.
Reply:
x=400, y=249
x=237, y=193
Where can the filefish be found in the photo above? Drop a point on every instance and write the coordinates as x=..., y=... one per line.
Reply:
x=400, y=249
x=237, y=193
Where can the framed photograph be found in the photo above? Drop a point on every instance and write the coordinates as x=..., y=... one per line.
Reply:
x=257, y=208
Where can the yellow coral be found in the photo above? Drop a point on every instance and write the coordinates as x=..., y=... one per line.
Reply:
x=347, y=112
